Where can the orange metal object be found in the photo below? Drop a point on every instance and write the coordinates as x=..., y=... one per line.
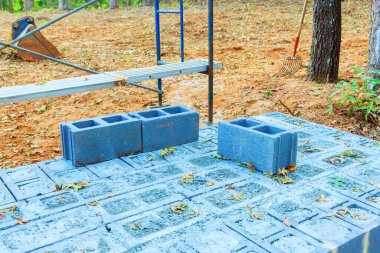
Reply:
x=35, y=42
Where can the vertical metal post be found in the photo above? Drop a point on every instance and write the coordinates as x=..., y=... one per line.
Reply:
x=182, y=31
x=158, y=45
x=210, y=60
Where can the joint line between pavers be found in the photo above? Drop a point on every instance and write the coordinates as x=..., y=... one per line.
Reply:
x=9, y=190
x=67, y=238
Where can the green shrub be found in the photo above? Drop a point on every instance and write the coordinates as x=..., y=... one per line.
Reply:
x=360, y=94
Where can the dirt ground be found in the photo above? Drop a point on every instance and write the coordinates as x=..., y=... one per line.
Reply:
x=251, y=39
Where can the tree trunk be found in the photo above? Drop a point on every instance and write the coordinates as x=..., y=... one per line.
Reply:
x=114, y=4
x=10, y=6
x=128, y=3
x=325, y=49
x=374, y=40
x=63, y=4
x=28, y=5
x=52, y=4
x=148, y=2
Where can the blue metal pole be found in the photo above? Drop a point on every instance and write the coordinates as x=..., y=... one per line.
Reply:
x=182, y=31
x=158, y=45
x=210, y=61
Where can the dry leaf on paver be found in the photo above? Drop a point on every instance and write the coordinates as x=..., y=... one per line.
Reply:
x=270, y=175
x=62, y=200
x=193, y=213
x=247, y=165
x=135, y=226
x=206, y=140
x=58, y=187
x=307, y=142
x=311, y=150
x=219, y=157
x=7, y=210
x=284, y=180
x=362, y=159
x=371, y=200
x=286, y=222
x=238, y=196
x=253, y=214
x=230, y=187
x=110, y=196
x=180, y=209
x=150, y=159
x=21, y=222
x=1, y=215
x=189, y=178
x=322, y=198
x=210, y=183
x=292, y=168
x=94, y=203
x=335, y=160
x=345, y=210
x=167, y=151
x=349, y=153
x=77, y=186
x=282, y=172
x=356, y=189
x=251, y=167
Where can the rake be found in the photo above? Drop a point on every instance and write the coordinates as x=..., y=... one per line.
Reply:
x=293, y=63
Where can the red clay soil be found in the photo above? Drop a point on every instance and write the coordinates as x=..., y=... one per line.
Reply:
x=251, y=39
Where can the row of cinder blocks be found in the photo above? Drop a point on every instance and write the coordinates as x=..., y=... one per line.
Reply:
x=104, y=138
x=267, y=147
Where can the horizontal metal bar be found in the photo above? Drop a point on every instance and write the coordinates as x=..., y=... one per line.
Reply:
x=50, y=23
x=146, y=87
x=49, y=58
x=164, y=63
x=169, y=11
x=68, y=86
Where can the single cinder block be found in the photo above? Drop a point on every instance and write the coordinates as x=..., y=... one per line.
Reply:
x=100, y=139
x=268, y=147
x=169, y=126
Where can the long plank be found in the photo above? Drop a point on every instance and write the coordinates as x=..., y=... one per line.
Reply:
x=68, y=86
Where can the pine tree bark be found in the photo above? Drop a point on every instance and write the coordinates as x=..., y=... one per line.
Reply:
x=374, y=40
x=148, y=2
x=10, y=6
x=27, y=6
x=325, y=49
x=114, y=4
x=63, y=4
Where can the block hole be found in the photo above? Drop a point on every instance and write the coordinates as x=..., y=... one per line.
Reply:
x=269, y=130
x=245, y=123
x=175, y=110
x=86, y=124
x=114, y=119
x=152, y=114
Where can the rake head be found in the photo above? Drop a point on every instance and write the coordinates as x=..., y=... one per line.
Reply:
x=290, y=66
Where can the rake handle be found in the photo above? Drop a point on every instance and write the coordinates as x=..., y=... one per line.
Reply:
x=300, y=28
